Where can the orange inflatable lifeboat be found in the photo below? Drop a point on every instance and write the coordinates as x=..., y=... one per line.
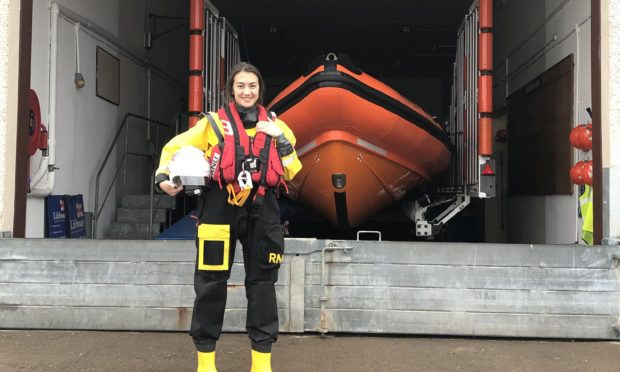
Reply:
x=363, y=146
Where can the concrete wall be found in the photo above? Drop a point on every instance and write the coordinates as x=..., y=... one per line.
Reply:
x=610, y=65
x=530, y=37
x=85, y=123
x=431, y=288
x=6, y=221
x=9, y=61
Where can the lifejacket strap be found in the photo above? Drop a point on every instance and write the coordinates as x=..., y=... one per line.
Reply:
x=216, y=129
x=239, y=150
x=237, y=198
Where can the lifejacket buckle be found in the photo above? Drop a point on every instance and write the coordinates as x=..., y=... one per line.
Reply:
x=250, y=165
x=259, y=197
x=237, y=198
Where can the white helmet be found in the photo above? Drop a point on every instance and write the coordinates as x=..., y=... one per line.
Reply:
x=189, y=167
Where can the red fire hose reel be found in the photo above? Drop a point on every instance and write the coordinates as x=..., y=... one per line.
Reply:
x=37, y=132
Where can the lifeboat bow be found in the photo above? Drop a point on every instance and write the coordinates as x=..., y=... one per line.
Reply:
x=363, y=145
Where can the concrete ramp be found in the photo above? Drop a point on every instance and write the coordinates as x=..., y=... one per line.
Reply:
x=497, y=290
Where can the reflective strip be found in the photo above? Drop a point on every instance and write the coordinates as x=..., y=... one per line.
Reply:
x=213, y=233
x=227, y=127
x=586, y=197
x=306, y=148
x=372, y=147
x=585, y=201
x=288, y=159
x=359, y=141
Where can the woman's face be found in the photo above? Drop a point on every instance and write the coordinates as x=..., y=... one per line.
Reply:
x=246, y=89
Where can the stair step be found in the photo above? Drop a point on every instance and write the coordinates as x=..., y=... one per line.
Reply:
x=133, y=230
x=140, y=215
x=160, y=201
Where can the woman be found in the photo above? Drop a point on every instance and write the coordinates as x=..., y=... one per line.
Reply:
x=251, y=155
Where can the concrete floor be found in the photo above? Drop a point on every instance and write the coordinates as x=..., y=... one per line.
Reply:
x=68, y=351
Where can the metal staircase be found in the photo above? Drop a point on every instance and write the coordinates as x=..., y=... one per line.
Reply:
x=133, y=217
x=139, y=216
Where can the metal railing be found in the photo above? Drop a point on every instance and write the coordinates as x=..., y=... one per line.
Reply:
x=463, y=121
x=150, y=154
x=465, y=174
x=221, y=53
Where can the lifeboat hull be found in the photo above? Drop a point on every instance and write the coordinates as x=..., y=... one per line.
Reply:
x=362, y=145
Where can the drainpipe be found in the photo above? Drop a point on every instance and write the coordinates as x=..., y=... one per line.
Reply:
x=46, y=166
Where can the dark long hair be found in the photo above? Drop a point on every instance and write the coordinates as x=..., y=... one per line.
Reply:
x=245, y=67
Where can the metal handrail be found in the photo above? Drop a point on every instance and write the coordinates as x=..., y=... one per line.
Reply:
x=97, y=211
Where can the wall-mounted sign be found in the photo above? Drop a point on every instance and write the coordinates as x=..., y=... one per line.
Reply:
x=108, y=77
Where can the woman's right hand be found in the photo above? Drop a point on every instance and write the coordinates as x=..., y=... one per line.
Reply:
x=170, y=188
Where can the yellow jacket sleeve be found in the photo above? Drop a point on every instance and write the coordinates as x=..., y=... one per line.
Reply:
x=290, y=162
x=200, y=136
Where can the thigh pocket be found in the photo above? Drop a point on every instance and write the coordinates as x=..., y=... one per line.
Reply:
x=213, y=247
x=272, y=248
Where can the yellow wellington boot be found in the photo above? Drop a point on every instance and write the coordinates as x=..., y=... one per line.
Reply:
x=261, y=362
x=206, y=362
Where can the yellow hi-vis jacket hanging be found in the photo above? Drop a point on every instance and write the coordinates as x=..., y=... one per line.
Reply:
x=587, y=213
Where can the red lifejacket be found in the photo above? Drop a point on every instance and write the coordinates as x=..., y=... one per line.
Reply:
x=238, y=148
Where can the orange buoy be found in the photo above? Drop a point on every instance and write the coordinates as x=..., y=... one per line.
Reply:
x=581, y=137
x=576, y=172
x=586, y=173
x=485, y=93
x=196, y=52
x=486, y=14
x=196, y=55
x=581, y=173
x=195, y=94
x=197, y=15
x=485, y=51
x=485, y=136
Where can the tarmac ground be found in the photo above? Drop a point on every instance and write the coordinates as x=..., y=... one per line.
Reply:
x=68, y=351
